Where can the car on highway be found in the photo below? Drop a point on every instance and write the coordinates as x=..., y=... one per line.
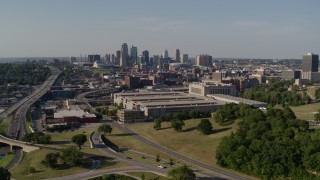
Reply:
x=161, y=166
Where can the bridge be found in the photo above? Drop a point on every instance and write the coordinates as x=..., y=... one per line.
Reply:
x=26, y=147
x=87, y=96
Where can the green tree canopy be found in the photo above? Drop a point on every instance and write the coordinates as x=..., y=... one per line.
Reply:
x=182, y=173
x=205, y=126
x=79, y=139
x=177, y=124
x=71, y=156
x=105, y=128
x=4, y=174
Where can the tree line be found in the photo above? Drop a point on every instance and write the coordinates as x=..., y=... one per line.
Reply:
x=177, y=119
x=272, y=145
x=276, y=92
x=23, y=73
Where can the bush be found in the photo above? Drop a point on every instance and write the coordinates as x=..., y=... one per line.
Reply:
x=32, y=169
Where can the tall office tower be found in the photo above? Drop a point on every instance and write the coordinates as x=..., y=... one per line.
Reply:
x=204, y=60
x=310, y=63
x=108, y=57
x=117, y=59
x=124, y=55
x=145, y=55
x=133, y=53
x=113, y=59
x=185, y=58
x=177, y=55
x=140, y=60
x=165, y=54
x=93, y=58
x=156, y=59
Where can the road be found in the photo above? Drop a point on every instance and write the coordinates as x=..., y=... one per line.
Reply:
x=82, y=97
x=18, y=127
x=224, y=173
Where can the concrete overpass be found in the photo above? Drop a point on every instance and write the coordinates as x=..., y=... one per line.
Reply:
x=84, y=97
x=26, y=147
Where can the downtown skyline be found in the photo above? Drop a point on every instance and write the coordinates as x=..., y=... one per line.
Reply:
x=230, y=29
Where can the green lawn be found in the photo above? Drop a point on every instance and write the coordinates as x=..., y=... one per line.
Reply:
x=312, y=90
x=6, y=160
x=63, y=140
x=125, y=141
x=306, y=112
x=4, y=125
x=21, y=171
x=190, y=142
x=148, y=175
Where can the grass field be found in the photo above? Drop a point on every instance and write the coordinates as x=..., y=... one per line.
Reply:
x=190, y=142
x=63, y=139
x=306, y=112
x=4, y=125
x=148, y=175
x=125, y=141
x=21, y=171
x=6, y=160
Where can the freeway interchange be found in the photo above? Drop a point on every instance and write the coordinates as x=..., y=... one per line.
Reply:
x=19, y=128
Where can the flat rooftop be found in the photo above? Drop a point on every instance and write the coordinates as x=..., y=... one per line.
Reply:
x=238, y=99
x=68, y=113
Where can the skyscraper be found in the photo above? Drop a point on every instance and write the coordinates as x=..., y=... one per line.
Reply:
x=124, y=55
x=94, y=57
x=117, y=59
x=310, y=63
x=133, y=53
x=185, y=58
x=145, y=55
x=204, y=60
x=177, y=55
x=165, y=54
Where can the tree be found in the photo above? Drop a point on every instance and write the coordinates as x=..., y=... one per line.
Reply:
x=105, y=128
x=4, y=174
x=205, y=126
x=143, y=176
x=182, y=173
x=32, y=169
x=317, y=117
x=71, y=156
x=157, y=124
x=177, y=124
x=51, y=159
x=158, y=158
x=171, y=163
x=79, y=139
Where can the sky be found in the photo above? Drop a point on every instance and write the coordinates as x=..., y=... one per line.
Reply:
x=222, y=28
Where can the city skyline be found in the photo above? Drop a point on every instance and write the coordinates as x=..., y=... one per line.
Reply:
x=230, y=29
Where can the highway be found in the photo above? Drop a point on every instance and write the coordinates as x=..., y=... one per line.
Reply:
x=18, y=127
x=82, y=97
x=224, y=173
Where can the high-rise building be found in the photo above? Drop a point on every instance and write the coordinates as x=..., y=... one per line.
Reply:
x=145, y=55
x=310, y=63
x=124, y=55
x=133, y=53
x=117, y=58
x=165, y=54
x=108, y=57
x=94, y=57
x=177, y=55
x=185, y=58
x=156, y=59
x=113, y=59
x=204, y=60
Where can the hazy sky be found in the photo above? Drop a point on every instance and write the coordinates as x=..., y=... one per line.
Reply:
x=224, y=28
